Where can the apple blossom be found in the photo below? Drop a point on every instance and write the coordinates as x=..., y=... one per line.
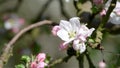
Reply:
x=14, y=23
x=41, y=57
x=115, y=15
x=33, y=65
x=39, y=61
x=73, y=31
x=69, y=30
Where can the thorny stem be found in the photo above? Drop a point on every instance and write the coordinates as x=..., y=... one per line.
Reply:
x=7, y=50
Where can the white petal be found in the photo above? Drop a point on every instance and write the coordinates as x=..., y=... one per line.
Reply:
x=82, y=38
x=8, y=25
x=75, y=23
x=63, y=34
x=91, y=31
x=68, y=41
x=65, y=25
x=76, y=45
x=82, y=47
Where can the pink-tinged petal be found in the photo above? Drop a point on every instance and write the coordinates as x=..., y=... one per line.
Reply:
x=65, y=25
x=102, y=64
x=63, y=46
x=118, y=13
x=91, y=31
x=40, y=65
x=103, y=12
x=41, y=57
x=76, y=44
x=55, y=29
x=33, y=65
x=82, y=47
x=63, y=34
x=82, y=38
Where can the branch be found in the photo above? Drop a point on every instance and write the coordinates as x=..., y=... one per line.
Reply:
x=7, y=51
x=98, y=32
x=80, y=59
x=63, y=12
x=65, y=59
x=110, y=9
x=44, y=7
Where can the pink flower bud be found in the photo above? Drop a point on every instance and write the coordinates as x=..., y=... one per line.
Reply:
x=33, y=65
x=55, y=29
x=41, y=57
x=41, y=65
x=102, y=64
x=63, y=46
x=103, y=12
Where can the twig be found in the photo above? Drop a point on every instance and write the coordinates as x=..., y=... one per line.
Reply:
x=98, y=35
x=80, y=59
x=63, y=12
x=18, y=5
x=106, y=17
x=65, y=59
x=44, y=7
x=6, y=53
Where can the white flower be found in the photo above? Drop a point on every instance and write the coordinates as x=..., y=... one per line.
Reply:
x=115, y=15
x=72, y=31
x=14, y=24
x=69, y=29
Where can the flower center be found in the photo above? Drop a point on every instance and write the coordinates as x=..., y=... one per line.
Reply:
x=72, y=34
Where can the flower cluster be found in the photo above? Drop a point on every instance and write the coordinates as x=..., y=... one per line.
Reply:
x=115, y=15
x=14, y=23
x=39, y=61
x=73, y=31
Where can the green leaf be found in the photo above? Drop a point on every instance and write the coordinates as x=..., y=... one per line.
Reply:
x=25, y=59
x=19, y=66
x=94, y=9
